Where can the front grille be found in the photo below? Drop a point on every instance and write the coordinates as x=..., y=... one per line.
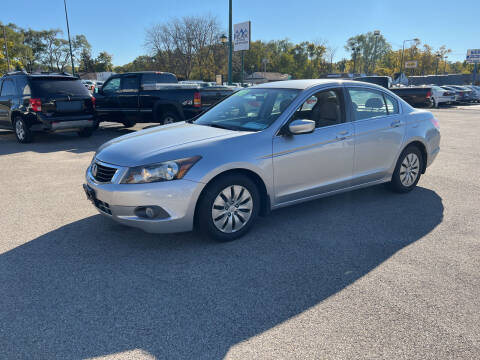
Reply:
x=103, y=206
x=103, y=173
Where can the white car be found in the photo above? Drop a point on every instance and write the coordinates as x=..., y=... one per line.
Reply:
x=440, y=96
x=475, y=92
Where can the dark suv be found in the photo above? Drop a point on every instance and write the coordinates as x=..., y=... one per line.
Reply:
x=45, y=102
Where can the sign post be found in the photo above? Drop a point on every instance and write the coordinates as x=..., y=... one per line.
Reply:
x=241, y=40
x=473, y=57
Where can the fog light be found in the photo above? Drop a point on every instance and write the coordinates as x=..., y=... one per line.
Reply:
x=150, y=212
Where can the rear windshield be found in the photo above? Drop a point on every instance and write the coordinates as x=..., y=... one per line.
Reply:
x=60, y=86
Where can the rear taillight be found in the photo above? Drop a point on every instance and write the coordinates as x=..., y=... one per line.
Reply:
x=93, y=102
x=429, y=93
x=197, y=99
x=36, y=105
x=435, y=122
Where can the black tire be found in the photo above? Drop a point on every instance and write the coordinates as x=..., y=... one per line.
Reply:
x=396, y=184
x=168, y=117
x=22, y=131
x=129, y=123
x=86, y=132
x=205, y=218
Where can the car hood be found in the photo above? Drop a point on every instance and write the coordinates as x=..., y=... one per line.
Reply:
x=147, y=146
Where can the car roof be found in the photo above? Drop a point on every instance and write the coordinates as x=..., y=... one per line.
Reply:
x=309, y=83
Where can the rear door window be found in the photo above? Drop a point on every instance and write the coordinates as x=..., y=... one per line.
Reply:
x=367, y=103
x=58, y=86
x=8, y=88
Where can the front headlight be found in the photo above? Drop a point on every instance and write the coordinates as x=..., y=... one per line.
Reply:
x=165, y=171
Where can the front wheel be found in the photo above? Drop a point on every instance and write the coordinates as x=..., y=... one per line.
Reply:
x=168, y=117
x=228, y=208
x=407, y=171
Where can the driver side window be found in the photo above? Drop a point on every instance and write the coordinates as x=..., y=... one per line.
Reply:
x=112, y=86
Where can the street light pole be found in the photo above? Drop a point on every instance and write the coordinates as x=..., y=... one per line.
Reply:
x=377, y=34
x=69, y=40
x=436, y=68
x=403, y=50
x=230, y=47
x=445, y=65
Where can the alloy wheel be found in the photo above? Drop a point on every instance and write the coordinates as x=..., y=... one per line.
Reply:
x=409, y=170
x=232, y=208
x=19, y=129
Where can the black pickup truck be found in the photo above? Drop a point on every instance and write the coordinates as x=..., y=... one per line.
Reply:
x=153, y=97
x=415, y=95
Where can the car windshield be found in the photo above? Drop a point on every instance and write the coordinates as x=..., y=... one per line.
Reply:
x=249, y=109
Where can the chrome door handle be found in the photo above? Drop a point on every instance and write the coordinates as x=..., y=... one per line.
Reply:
x=395, y=124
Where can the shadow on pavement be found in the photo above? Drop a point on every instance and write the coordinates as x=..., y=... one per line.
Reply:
x=93, y=287
x=62, y=141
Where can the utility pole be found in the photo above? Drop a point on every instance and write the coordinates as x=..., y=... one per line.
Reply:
x=69, y=41
x=6, y=48
x=436, y=68
x=376, y=33
x=230, y=47
x=445, y=65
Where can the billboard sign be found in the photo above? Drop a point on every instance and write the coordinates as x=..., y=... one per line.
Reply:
x=473, y=56
x=413, y=64
x=241, y=36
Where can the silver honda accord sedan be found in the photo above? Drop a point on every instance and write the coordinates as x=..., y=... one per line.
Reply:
x=260, y=149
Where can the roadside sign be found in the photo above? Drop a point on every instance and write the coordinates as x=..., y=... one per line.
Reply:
x=218, y=79
x=413, y=64
x=473, y=56
x=241, y=36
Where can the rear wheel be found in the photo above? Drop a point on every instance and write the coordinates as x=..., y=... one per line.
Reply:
x=228, y=208
x=407, y=171
x=86, y=132
x=22, y=131
x=168, y=117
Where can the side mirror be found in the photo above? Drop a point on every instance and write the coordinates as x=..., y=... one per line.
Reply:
x=297, y=127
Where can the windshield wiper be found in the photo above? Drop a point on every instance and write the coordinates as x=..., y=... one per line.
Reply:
x=234, y=128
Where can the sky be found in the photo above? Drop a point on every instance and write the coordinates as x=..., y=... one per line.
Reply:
x=118, y=26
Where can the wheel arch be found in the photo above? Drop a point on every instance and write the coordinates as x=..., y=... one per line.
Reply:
x=265, y=203
x=423, y=150
x=161, y=106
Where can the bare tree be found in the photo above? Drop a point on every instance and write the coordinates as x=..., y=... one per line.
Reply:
x=185, y=42
x=330, y=52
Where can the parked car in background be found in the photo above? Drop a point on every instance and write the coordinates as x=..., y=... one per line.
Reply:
x=461, y=95
x=415, y=95
x=442, y=96
x=263, y=148
x=475, y=92
x=468, y=93
x=89, y=84
x=45, y=102
x=153, y=96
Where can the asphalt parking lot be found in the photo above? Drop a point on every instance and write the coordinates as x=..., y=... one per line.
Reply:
x=368, y=274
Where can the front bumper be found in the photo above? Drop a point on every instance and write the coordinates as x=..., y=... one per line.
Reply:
x=119, y=201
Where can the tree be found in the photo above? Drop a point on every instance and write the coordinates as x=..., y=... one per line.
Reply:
x=103, y=62
x=370, y=47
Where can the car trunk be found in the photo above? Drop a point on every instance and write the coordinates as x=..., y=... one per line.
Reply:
x=62, y=97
